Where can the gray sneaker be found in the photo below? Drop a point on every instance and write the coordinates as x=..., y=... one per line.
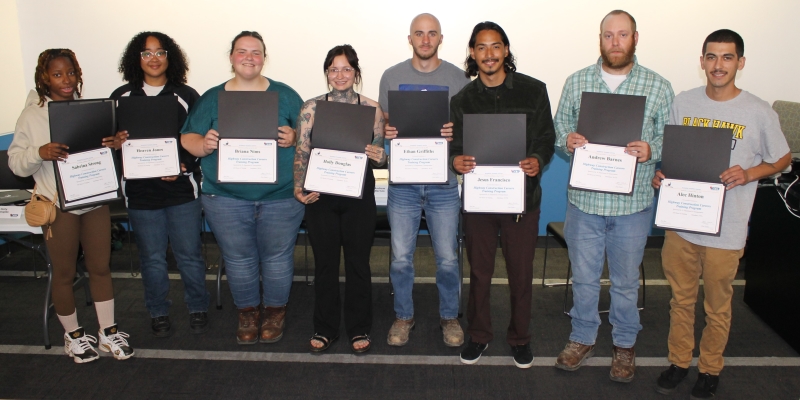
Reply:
x=398, y=333
x=452, y=333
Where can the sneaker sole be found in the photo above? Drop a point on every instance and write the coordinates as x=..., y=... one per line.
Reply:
x=470, y=362
x=523, y=366
x=105, y=348
x=79, y=360
x=408, y=338
x=588, y=355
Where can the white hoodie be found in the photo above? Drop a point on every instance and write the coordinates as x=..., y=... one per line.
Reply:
x=33, y=131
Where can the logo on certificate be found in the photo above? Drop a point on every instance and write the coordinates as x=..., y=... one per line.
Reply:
x=713, y=188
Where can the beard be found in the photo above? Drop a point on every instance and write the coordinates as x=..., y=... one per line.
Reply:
x=621, y=62
x=426, y=56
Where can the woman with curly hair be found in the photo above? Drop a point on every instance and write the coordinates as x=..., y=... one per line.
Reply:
x=165, y=210
x=58, y=77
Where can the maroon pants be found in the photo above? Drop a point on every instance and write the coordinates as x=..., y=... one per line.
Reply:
x=518, y=241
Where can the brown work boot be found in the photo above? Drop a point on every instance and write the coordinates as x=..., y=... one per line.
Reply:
x=623, y=364
x=273, y=320
x=573, y=356
x=398, y=333
x=248, y=325
x=452, y=333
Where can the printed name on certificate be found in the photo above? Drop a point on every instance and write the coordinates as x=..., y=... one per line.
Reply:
x=150, y=158
x=690, y=206
x=418, y=161
x=602, y=168
x=87, y=174
x=495, y=189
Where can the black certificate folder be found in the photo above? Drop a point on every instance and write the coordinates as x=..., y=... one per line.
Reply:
x=81, y=124
x=495, y=139
x=342, y=126
x=694, y=153
x=248, y=115
x=418, y=114
x=148, y=117
x=612, y=119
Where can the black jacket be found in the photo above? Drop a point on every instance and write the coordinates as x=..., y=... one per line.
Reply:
x=153, y=194
x=519, y=94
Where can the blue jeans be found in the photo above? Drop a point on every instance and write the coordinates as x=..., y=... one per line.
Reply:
x=442, y=205
x=180, y=227
x=589, y=239
x=256, y=238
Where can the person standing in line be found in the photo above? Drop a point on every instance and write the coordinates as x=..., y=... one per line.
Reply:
x=758, y=150
x=499, y=89
x=59, y=77
x=441, y=203
x=336, y=222
x=165, y=210
x=255, y=225
x=600, y=225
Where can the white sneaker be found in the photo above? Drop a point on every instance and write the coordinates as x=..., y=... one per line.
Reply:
x=78, y=345
x=113, y=341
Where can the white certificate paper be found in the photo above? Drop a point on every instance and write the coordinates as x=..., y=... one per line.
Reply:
x=336, y=172
x=150, y=158
x=601, y=168
x=418, y=161
x=248, y=161
x=690, y=206
x=88, y=174
x=495, y=189
x=11, y=212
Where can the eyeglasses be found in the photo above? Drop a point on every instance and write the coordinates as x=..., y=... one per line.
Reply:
x=345, y=71
x=146, y=55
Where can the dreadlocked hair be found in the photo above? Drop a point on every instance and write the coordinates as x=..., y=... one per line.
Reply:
x=130, y=63
x=42, y=80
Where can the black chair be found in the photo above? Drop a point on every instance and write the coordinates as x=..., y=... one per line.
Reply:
x=556, y=231
x=119, y=213
x=10, y=181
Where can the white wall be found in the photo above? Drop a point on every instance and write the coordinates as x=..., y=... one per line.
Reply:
x=11, y=71
x=551, y=39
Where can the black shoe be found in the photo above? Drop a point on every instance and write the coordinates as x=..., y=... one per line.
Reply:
x=670, y=379
x=198, y=322
x=705, y=387
x=472, y=352
x=523, y=358
x=161, y=326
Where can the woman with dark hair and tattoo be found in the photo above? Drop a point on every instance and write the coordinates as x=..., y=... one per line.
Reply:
x=58, y=77
x=255, y=224
x=336, y=222
x=165, y=210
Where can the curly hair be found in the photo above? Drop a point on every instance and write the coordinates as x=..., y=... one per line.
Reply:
x=130, y=63
x=471, y=66
x=42, y=80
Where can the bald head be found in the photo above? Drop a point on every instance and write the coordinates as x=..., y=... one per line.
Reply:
x=425, y=19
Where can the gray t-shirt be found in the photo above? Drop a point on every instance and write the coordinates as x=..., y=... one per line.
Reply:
x=403, y=76
x=756, y=137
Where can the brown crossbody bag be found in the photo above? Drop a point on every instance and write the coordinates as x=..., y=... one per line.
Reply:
x=40, y=211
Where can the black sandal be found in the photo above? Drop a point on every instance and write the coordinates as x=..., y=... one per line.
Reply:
x=359, y=338
x=326, y=343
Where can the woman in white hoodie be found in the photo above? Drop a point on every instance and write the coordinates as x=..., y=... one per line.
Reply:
x=58, y=77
